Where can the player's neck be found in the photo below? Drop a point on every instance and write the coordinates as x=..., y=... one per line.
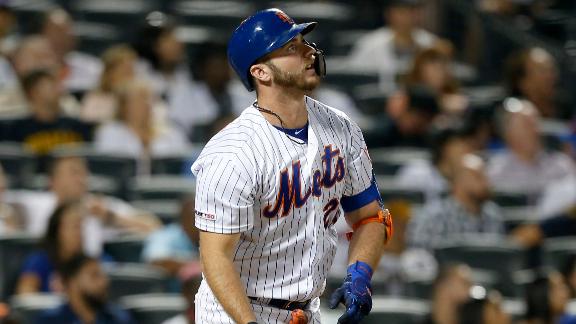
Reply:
x=290, y=107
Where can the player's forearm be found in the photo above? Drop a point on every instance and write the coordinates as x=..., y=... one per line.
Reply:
x=225, y=283
x=367, y=244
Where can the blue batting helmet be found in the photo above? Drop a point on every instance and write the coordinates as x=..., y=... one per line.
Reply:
x=258, y=35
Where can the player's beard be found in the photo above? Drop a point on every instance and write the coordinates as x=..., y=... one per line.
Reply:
x=293, y=80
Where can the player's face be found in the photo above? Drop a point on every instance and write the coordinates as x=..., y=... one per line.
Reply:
x=292, y=66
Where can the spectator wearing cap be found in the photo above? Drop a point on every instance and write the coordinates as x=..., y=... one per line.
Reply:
x=467, y=209
x=86, y=289
x=390, y=49
x=409, y=115
x=526, y=166
x=449, y=142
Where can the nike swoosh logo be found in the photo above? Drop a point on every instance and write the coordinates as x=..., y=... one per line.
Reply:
x=298, y=132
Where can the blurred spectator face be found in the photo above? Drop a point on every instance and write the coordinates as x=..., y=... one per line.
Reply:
x=123, y=72
x=34, y=53
x=7, y=21
x=70, y=231
x=493, y=312
x=434, y=73
x=169, y=49
x=91, y=283
x=402, y=18
x=540, y=72
x=69, y=179
x=46, y=94
x=136, y=106
x=522, y=132
x=559, y=295
x=119, y=68
x=58, y=31
x=470, y=178
x=216, y=72
x=452, y=153
x=458, y=283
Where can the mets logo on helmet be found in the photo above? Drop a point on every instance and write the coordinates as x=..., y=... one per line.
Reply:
x=284, y=17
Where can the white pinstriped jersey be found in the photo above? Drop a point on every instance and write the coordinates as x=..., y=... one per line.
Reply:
x=283, y=197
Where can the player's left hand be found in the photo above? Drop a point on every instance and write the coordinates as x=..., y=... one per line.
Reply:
x=355, y=293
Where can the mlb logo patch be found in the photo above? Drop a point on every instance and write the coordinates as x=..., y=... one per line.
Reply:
x=206, y=216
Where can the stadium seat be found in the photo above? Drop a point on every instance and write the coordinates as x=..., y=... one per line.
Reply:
x=19, y=164
x=125, y=249
x=95, y=38
x=345, y=78
x=168, y=210
x=161, y=187
x=126, y=13
x=153, y=308
x=389, y=161
x=134, y=278
x=174, y=164
x=492, y=253
x=96, y=184
x=116, y=166
x=511, y=199
x=514, y=216
x=27, y=307
x=557, y=251
x=392, y=310
x=225, y=15
x=370, y=98
x=14, y=249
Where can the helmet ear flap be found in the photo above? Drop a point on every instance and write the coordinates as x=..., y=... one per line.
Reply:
x=319, y=61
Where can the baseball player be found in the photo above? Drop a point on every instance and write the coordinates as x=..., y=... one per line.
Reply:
x=271, y=185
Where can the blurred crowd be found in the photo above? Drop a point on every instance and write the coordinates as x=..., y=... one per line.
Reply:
x=466, y=107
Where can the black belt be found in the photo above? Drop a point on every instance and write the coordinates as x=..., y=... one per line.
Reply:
x=281, y=303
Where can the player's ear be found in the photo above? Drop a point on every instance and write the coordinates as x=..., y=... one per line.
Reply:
x=262, y=72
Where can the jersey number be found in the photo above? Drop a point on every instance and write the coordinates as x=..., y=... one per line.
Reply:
x=331, y=208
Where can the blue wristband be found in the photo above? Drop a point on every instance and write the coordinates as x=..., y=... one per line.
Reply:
x=361, y=269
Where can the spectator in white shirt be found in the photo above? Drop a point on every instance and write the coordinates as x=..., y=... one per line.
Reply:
x=448, y=144
x=389, y=50
x=80, y=70
x=466, y=210
x=68, y=181
x=134, y=132
x=526, y=166
x=101, y=104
